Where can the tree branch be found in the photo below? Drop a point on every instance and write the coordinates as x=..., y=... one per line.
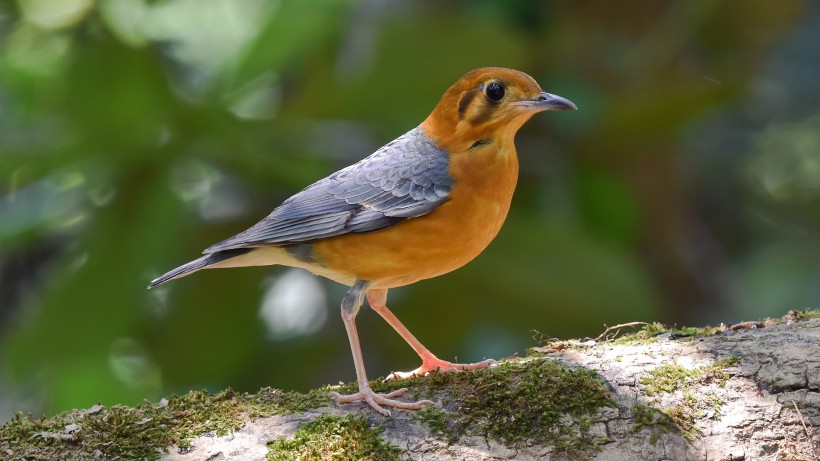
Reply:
x=720, y=393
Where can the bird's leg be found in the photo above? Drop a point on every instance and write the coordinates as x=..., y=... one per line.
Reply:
x=350, y=307
x=429, y=362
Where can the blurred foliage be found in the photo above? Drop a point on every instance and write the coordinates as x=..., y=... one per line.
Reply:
x=134, y=133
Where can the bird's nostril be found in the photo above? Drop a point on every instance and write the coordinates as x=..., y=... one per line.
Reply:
x=542, y=98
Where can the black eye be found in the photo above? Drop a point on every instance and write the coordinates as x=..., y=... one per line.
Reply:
x=495, y=91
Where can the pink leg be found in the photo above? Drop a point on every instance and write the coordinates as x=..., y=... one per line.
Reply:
x=350, y=307
x=429, y=362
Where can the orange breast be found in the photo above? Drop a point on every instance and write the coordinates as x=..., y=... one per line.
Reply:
x=441, y=241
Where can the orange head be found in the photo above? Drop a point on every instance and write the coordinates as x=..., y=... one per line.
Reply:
x=488, y=105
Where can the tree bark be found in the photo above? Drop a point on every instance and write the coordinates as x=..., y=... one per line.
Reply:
x=750, y=392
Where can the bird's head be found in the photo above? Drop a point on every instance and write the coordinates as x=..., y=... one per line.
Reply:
x=488, y=105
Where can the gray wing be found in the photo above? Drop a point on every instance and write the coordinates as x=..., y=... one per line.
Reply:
x=406, y=178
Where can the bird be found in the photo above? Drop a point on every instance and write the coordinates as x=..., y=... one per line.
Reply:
x=421, y=206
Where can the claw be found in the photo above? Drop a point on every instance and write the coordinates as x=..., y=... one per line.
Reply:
x=440, y=366
x=377, y=400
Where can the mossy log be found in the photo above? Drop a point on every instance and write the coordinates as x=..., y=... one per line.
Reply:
x=747, y=392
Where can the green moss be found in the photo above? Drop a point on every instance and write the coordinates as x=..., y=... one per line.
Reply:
x=716, y=371
x=804, y=314
x=652, y=418
x=533, y=399
x=683, y=418
x=436, y=421
x=677, y=418
x=334, y=438
x=715, y=403
x=667, y=378
x=269, y=401
x=651, y=331
x=636, y=333
x=694, y=403
x=143, y=432
x=542, y=402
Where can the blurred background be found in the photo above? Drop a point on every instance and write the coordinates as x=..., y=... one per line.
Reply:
x=135, y=133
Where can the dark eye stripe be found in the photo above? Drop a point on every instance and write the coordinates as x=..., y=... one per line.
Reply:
x=484, y=114
x=465, y=102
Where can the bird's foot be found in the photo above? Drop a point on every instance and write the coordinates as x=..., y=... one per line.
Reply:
x=438, y=365
x=377, y=400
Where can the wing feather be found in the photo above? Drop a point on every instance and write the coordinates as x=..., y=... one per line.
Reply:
x=406, y=178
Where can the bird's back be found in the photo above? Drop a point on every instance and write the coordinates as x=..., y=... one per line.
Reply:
x=444, y=240
x=406, y=178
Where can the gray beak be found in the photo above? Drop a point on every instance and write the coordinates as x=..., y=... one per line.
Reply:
x=547, y=101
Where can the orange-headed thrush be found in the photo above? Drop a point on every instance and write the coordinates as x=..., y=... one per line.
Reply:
x=421, y=206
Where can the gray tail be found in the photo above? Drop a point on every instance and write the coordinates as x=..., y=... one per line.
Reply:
x=198, y=264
